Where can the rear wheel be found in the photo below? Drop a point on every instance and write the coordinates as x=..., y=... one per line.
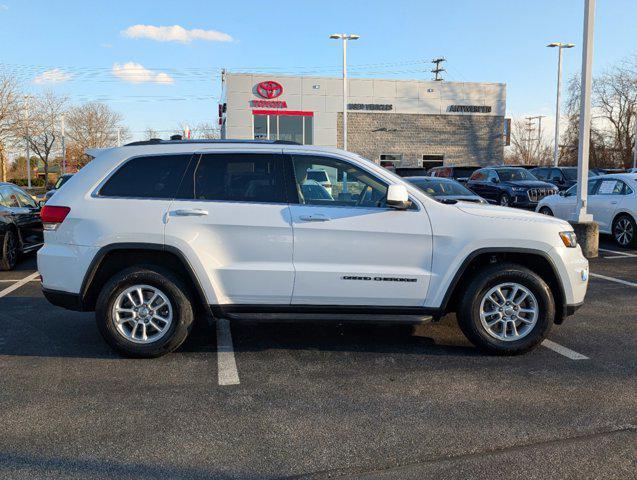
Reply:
x=506, y=309
x=625, y=231
x=9, y=251
x=144, y=312
x=505, y=200
x=546, y=211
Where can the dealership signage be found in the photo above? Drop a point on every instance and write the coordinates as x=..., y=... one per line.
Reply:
x=268, y=104
x=269, y=90
x=470, y=108
x=370, y=106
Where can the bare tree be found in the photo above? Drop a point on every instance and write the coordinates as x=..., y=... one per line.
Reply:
x=9, y=107
x=94, y=125
x=151, y=133
x=42, y=127
x=525, y=147
x=207, y=131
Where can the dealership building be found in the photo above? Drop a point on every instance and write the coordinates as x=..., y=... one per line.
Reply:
x=416, y=123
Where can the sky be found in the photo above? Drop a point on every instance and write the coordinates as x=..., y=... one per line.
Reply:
x=158, y=62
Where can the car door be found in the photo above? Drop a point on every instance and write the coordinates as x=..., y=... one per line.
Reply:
x=351, y=249
x=28, y=219
x=477, y=183
x=564, y=205
x=232, y=219
x=606, y=201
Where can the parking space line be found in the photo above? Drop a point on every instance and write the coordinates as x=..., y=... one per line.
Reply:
x=567, y=352
x=18, y=284
x=227, y=365
x=613, y=279
x=616, y=252
x=17, y=280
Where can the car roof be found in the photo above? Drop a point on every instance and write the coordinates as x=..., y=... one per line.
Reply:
x=619, y=176
x=431, y=179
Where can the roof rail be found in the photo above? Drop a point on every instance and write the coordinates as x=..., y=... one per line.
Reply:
x=159, y=141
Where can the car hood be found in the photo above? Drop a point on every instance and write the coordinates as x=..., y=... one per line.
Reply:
x=529, y=184
x=506, y=213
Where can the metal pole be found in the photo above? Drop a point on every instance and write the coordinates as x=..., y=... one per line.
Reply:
x=585, y=115
x=635, y=145
x=539, y=139
x=556, y=151
x=63, y=148
x=28, y=140
x=344, y=92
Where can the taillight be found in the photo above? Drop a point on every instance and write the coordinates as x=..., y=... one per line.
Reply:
x=52, y=216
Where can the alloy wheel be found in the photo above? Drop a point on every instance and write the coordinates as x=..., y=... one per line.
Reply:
x=509, y=311
x=505, y=200
x=624, y=231
x=12, y=250
x=142, y=314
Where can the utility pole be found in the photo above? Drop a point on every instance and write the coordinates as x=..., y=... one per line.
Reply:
x=539, y=134
x=635, y=145
x=529, y=128
x=581, y=214
x=63, y=147
x=119, y=140
x=438, y=70
x=26, y=106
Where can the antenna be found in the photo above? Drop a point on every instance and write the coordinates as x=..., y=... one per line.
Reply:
x=437, y=71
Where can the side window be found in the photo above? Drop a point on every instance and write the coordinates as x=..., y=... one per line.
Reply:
x=627, y=190
x=147, y=177
x=539, y=173
x=9, y=198
x=493, y=176
x=343, y=184
x=236, y=177
x=592, y=185
x=556, y=174
x=610, y=187
x=25, y=200
x=479, y=176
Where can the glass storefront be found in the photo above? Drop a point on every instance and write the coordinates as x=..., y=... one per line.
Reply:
x=294, y=128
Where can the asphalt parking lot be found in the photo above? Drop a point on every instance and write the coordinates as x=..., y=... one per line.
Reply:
x=319, y=400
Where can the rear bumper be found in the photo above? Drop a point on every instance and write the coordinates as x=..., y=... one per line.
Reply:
x=70, y=301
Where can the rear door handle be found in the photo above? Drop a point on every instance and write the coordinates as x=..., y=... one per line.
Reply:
x=189, y=212
x=316, y=217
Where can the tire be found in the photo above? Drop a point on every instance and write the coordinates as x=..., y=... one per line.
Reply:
x=9, y=251
x=530, y=334
x=505, y=200
x=172, y=302
x=625, y=231
x=546, y=211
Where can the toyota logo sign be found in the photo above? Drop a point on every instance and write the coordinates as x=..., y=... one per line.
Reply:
x=269, y=89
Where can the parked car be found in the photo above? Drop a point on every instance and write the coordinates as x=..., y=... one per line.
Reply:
x=222, y=225
x=562, y=177
x=460, y=174
x=510, y=186
x=411, y=171
x=20, y=225
x=60, y=181
x=612, y=201
x=445, y=189
x=321, y=177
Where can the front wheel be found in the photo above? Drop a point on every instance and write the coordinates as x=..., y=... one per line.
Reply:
x=625, y=231
x=546, y=211
x=144, y=312
x=8, y=251
x=505, y=200
x=506, y=309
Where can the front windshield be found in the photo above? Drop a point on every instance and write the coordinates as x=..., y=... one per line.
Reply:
x=437, y=187
x=515, y=174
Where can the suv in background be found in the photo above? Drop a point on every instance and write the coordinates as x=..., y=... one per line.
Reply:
x=510, y=186
x=460, y=174
x=411, y=171
x=146, y=233
x=562, y=177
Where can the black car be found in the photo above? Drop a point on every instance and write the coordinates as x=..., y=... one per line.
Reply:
x=411, y=171
x=460, y=174
x=20, y=225
x=562, y=177
x=510, y=186
x=445, y=189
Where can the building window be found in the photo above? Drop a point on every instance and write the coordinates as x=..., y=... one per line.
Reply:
x=392, y=157
x=293, y=128
x=430, y=161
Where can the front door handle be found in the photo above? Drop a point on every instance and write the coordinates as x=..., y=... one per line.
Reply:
x=189, y=212
x=614, y=203
x=316, y=217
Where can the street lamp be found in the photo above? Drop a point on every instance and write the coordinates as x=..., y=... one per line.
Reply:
x=345, y=37
x=559, y=46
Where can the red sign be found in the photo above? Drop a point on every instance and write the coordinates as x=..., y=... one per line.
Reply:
x=269, y=89
x=269, y=103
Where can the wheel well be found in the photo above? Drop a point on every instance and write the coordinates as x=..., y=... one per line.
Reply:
x=115, y=261
x=533, y=261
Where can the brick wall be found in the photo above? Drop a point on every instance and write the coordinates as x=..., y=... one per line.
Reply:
x=462, y=139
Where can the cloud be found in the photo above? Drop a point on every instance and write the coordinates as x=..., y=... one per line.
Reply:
x=53, y=76
x=135, y=73
x=176, y=33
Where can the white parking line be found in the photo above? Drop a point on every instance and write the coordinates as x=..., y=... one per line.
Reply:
x=624, y=254
x=18, y=284
x=567, y=352
x=613, y=279
x=17, y=280
x=227, y=366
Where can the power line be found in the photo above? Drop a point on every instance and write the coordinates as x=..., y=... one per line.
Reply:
x=438, y=70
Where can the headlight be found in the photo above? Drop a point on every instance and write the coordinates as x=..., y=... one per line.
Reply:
x=569, y=239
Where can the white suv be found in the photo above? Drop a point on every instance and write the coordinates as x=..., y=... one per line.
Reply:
x=147, y=232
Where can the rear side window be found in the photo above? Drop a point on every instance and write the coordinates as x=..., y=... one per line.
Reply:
x=238, y=177
x=479, y=176
x=147, y=177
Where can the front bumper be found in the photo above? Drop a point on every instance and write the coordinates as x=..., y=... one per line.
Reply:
x=70, y=301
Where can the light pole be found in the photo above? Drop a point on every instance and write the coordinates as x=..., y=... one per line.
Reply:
x=63, y=147
x=559, y=46
x=635, y=145
x=26, y=105
x=581, y=214
x=345, y=37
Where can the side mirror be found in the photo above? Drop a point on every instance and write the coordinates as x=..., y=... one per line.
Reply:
x=495, y=180
x=397, y=197
x=41, y=203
